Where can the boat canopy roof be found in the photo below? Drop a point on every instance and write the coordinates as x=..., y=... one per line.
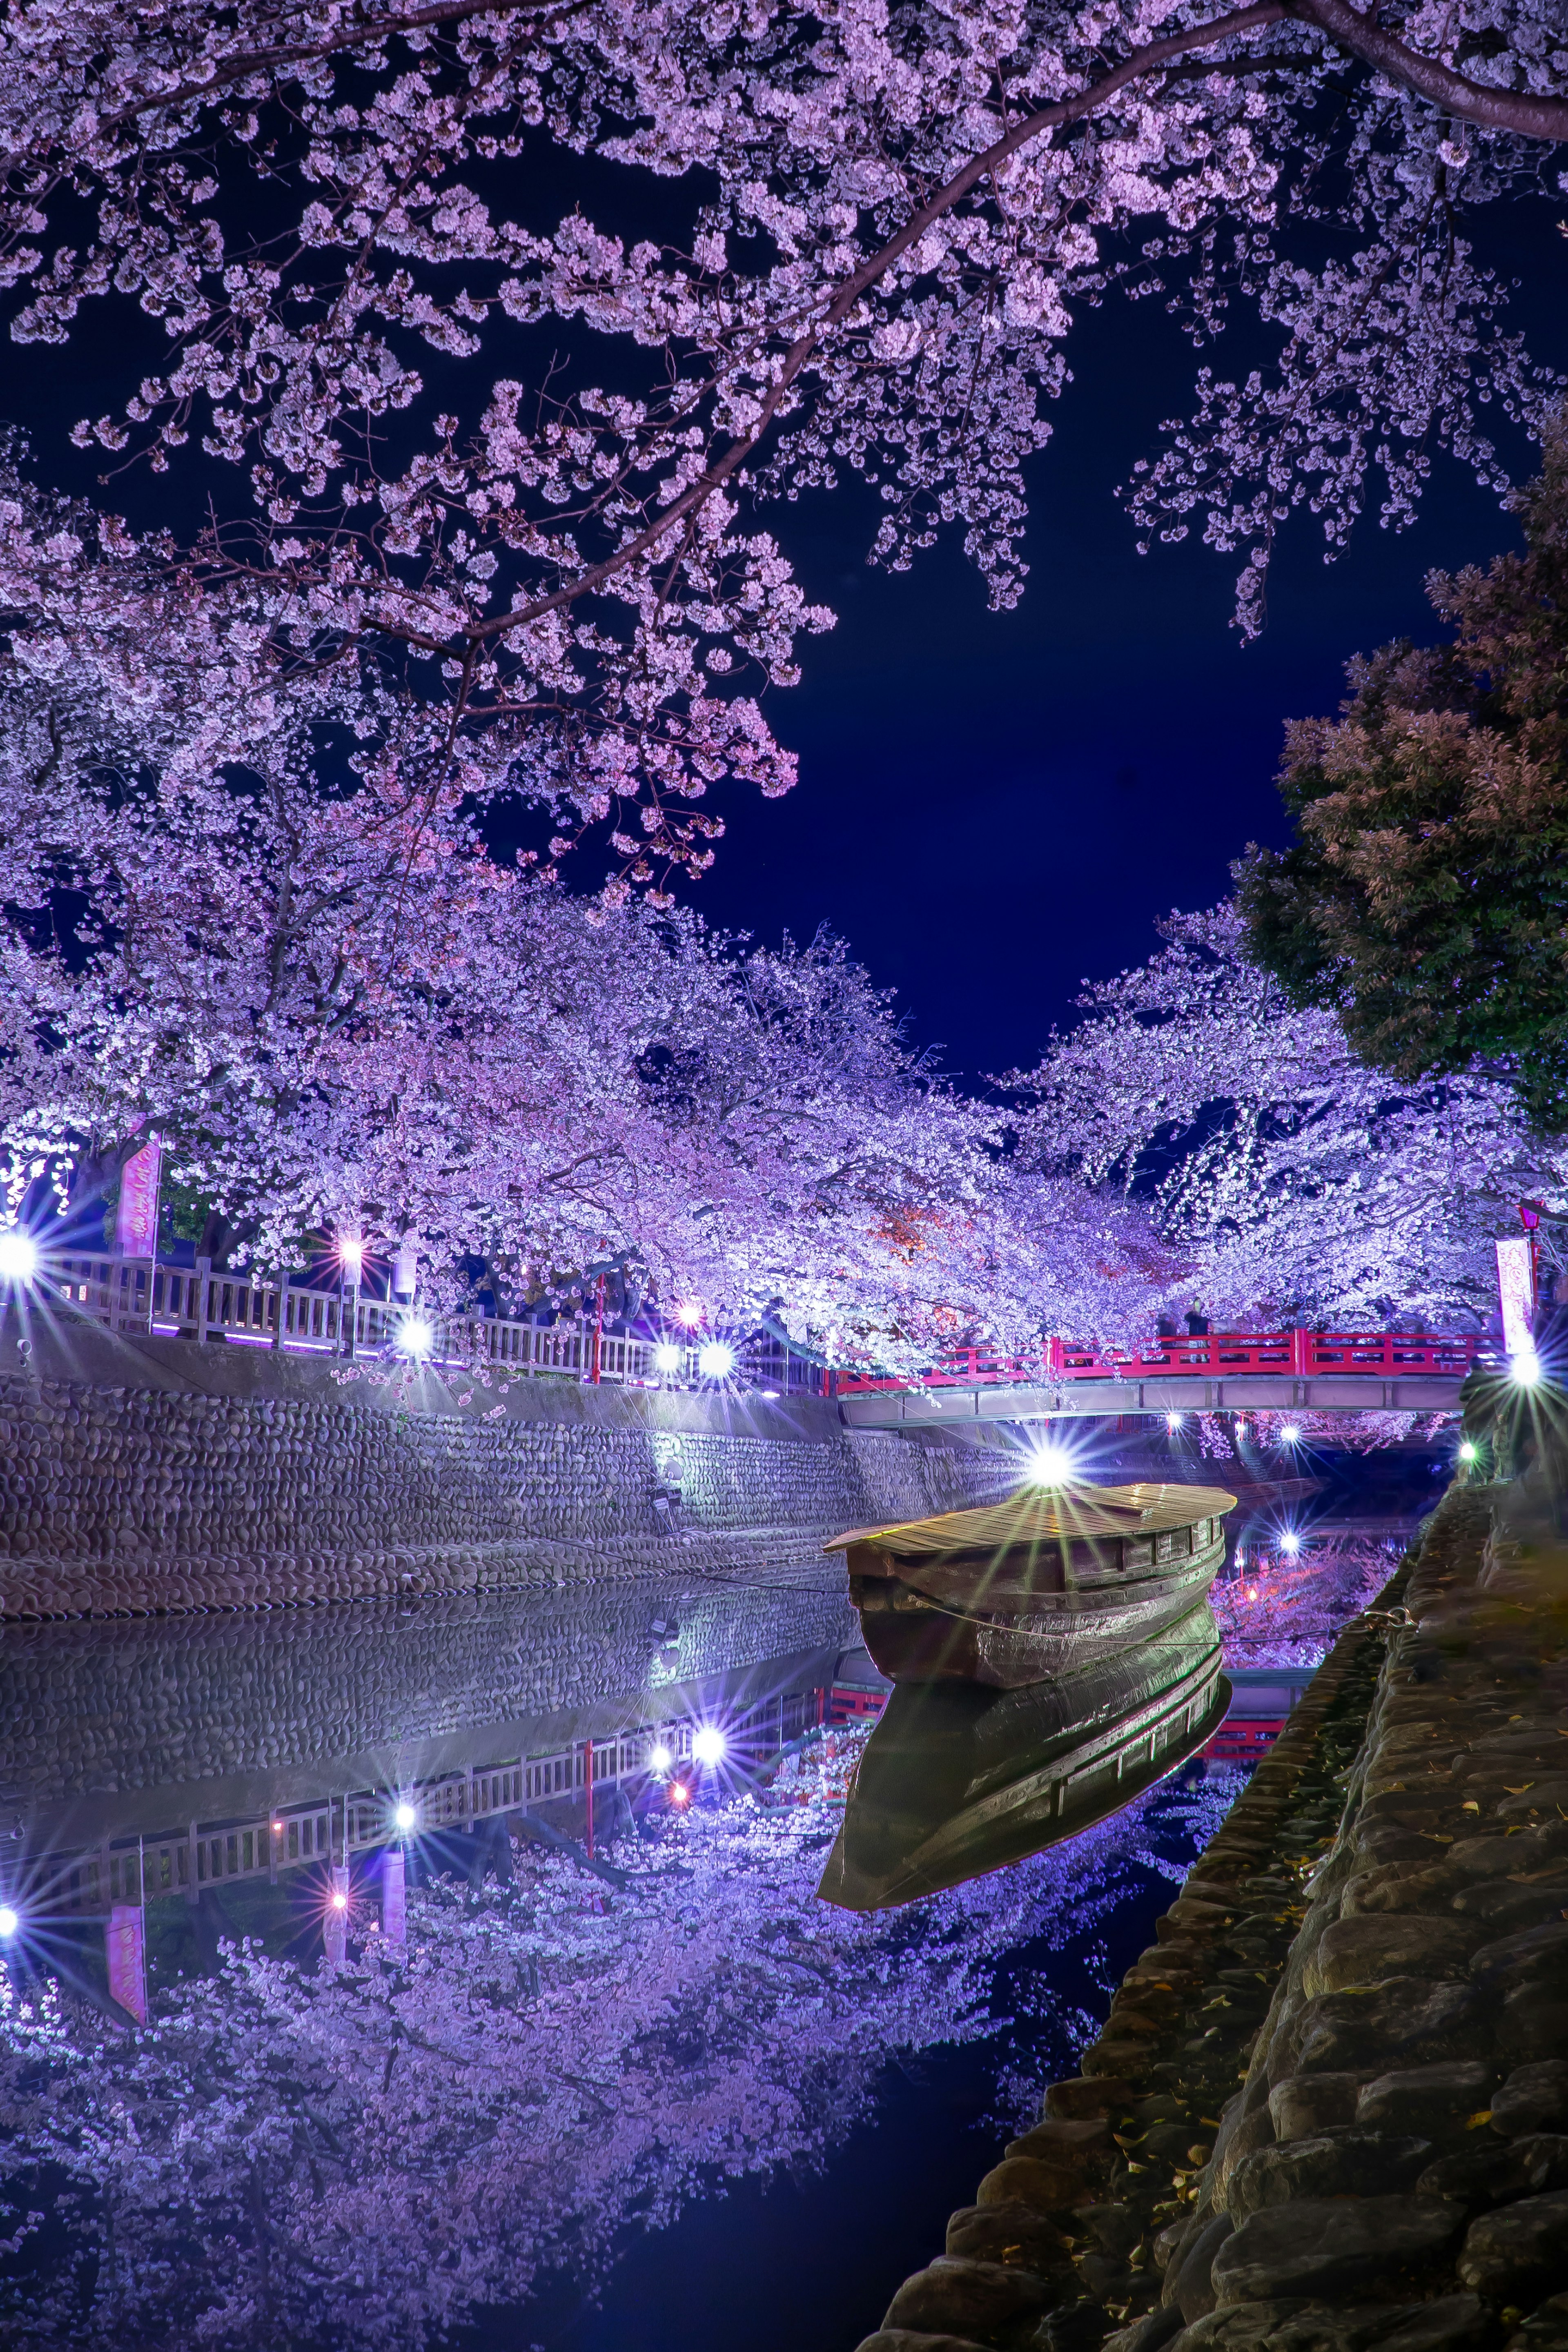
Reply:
x=1041, y=1514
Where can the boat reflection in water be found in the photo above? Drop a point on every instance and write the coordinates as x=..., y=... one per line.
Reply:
x=960, y=1778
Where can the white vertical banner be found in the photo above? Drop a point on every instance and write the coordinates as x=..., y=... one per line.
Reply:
x=405, y=1269
x=336, y=1927
x=1516, y=1288
x=393, y=1897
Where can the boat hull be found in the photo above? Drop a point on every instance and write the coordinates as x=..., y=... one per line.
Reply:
x=913, y=1637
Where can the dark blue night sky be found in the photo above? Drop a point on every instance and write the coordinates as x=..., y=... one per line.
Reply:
x=993, y=807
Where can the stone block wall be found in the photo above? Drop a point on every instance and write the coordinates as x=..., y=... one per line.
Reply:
x=119, y=1497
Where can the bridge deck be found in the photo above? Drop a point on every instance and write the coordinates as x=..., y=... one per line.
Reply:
x=1210, y=1371
x=1081, y=1400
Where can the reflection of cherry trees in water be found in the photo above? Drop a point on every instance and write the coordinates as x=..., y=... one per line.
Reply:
x=363, y=2157
x=1284, y=1611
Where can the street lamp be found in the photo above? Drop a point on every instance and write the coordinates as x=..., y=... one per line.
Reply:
x=660, y=1760
x=709, y=1746
x=1050, y=1466
x=416, y=1337
x=1290, y=1435
x=9, y=1922
x=19, y=1255
x=404, y=1816
x=666, y=1357
x=716, y=1359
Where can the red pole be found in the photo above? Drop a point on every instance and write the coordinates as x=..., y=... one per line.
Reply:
x=588, y=1785
x=598, y=1332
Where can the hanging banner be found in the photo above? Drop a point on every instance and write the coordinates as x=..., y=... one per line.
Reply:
x=136, y=1219
x=394, y=1898
x=405, y=1269
x=1516, y=1288
x=124, y=1938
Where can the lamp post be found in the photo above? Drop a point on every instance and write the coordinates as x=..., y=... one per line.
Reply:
x=351, y=1263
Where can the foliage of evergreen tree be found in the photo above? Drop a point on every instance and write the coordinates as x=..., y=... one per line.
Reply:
x=1425, y=898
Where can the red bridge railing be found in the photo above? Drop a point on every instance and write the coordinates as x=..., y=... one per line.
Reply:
x=1216, y=1355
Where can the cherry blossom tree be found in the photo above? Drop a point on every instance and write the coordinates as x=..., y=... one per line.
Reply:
x=1293, y=1181
x=555, y=579
x=362, y=2155
x=341, y=1016
x=1284, y=1608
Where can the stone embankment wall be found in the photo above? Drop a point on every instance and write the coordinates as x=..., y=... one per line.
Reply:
x=90, y=1708
x=1328, y=2109
x=117, y=1495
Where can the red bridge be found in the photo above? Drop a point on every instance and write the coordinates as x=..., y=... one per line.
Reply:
x=1334, y=1371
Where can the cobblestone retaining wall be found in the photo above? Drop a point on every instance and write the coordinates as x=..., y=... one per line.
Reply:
x=91, y=1708
x=125, y=1498
x=1376, y=1943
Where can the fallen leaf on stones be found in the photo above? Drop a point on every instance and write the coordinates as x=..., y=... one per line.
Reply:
x=1482, y=2115
x=1520, y=1790
x=1469, y=1806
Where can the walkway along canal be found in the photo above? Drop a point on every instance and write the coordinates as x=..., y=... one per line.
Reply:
x=1329, y=2107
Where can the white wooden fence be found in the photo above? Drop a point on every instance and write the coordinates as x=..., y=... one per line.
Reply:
x=137, y=1295
x=87, y=1882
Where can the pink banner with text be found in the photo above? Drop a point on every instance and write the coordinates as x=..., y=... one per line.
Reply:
x=127, y=1959
x=136, y=1223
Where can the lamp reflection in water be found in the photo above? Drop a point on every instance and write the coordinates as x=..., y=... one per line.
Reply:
x=958, y=1780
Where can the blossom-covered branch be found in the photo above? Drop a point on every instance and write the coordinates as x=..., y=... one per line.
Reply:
x=898, y=212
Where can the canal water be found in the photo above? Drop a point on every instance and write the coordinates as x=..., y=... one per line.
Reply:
x=596, y=2070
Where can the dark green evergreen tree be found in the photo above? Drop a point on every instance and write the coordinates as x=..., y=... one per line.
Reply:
x=1425, y=898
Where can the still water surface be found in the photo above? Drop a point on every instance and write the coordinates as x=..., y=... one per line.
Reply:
x=665, y=2101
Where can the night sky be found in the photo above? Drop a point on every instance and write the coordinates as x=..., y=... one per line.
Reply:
x=991, y=808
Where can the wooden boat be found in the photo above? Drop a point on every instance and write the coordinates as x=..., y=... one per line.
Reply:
x=1020, y=1591
x=959, y=1779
